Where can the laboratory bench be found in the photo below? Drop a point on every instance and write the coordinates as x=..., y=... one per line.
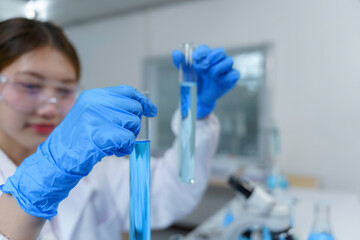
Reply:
x=344, y=213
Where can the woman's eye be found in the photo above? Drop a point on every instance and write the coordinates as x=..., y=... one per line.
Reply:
x=65, y=91
x=31, y=86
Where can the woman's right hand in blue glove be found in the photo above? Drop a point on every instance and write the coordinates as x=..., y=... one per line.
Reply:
x=102, y=122
x=215, y=76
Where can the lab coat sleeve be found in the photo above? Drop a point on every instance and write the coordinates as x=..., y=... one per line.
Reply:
x=170, y=198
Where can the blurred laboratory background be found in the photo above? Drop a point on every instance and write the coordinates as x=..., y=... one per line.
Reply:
x=296, y=107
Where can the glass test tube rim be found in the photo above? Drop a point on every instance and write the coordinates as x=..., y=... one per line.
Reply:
x=187, y=48
x=144, y=134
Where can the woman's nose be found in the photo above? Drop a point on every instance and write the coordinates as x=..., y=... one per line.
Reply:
x=49, y=109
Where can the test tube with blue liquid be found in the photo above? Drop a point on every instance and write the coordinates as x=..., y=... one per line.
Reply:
x=140, y=184
x=188, y=101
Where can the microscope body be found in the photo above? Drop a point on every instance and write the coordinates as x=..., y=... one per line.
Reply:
x=260, y=209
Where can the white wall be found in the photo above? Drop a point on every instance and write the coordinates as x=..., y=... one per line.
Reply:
x=10, y=8
x=316, y=90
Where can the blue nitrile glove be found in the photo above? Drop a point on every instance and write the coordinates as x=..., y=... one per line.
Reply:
x=102, y=122
x=215, y=76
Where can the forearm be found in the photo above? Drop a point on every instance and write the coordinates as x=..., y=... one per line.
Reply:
x=16, y=224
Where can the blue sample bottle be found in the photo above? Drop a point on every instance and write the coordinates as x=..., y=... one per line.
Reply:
x=320, y=236
x=321, y=229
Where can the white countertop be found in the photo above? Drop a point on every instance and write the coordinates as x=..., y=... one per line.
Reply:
x=344, y=213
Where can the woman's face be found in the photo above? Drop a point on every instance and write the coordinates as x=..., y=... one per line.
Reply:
x=30, y=126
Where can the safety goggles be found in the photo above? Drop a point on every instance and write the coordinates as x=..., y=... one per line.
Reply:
x=28, y=93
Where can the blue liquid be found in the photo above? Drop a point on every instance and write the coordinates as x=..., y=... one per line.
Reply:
x=140, y=191
x=188, y=96
x=320, y=236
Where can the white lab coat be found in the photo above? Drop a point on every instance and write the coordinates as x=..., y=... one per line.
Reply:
x=98, y=207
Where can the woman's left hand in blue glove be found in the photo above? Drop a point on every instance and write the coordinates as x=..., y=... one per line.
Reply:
x=101, y=123
x=215, y=76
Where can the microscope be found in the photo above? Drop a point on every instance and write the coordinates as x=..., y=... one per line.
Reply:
x=260, y=209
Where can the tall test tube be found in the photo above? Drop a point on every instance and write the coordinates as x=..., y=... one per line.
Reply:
x=188, y=101
x=140, y=184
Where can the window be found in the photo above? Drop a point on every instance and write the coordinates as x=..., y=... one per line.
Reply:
x=239, y=111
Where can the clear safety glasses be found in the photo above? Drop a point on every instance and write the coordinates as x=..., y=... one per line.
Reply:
x=27, y=93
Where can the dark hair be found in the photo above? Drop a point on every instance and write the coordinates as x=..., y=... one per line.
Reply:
x=21, y=35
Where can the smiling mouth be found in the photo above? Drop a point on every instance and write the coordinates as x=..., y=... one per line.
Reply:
x=42, y=128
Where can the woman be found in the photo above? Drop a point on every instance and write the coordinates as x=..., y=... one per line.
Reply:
x=44, y=154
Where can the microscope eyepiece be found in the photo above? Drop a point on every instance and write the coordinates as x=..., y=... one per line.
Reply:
x=242, y=186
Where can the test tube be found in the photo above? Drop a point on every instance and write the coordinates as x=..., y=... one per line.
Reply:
x=188, y=101
x=140, y=184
